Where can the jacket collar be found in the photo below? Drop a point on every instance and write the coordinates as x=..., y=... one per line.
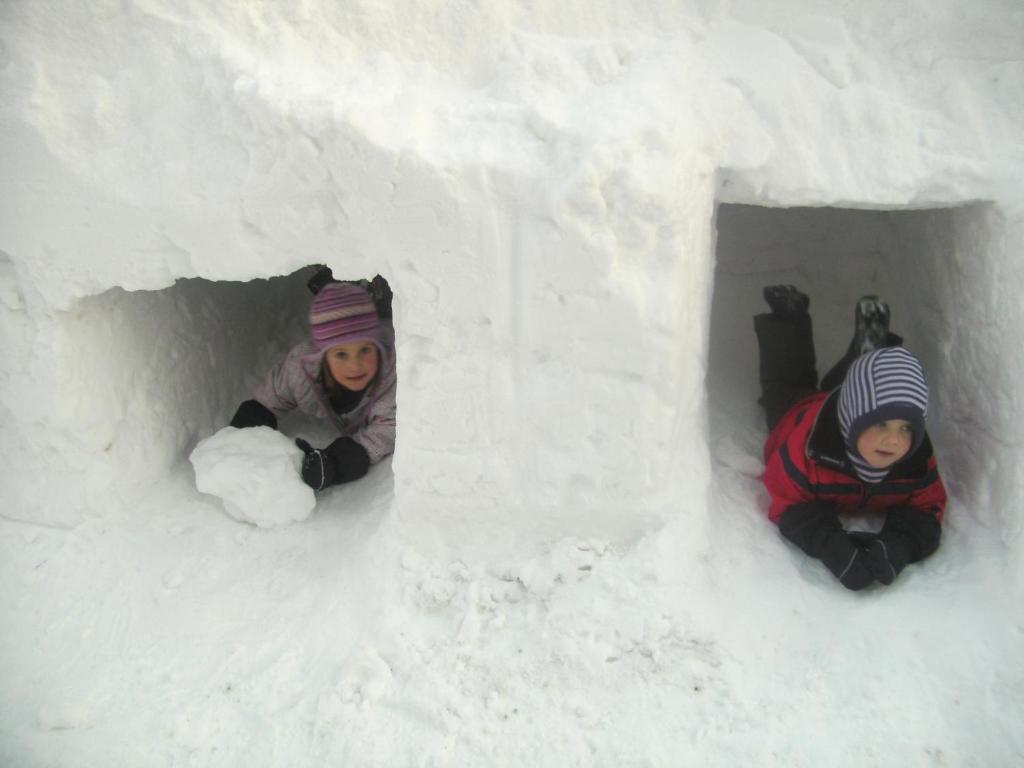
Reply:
x=826, y=446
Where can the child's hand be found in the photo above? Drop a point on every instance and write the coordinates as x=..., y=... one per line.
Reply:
x=845, y=556
x=341, y=461
x=885, y=556
x=886, y=560
x=253, y=413
x=815, y=528
x=908, y=535
x=314, y=468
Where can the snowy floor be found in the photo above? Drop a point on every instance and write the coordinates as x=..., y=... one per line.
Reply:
x=172, y=635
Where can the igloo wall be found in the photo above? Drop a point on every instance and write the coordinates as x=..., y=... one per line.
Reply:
x=539, y=185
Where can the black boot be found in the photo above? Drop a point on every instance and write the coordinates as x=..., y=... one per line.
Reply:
x=871, y=332
x=382, y=295
x=786, y=301
x=872, y=325
x=785, y=342
x=323, y=276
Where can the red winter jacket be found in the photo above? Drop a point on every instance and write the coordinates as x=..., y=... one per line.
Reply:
x=805, y=460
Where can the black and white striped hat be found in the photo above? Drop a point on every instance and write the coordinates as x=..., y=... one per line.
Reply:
x=888, y=383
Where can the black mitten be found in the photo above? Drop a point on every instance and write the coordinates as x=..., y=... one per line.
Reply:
x=847, y=561
x=887, y=558
x=314, y=468
x=921, y=531
x=909, y=535
x=253, y=413
x=342, y=461
x=815, y=528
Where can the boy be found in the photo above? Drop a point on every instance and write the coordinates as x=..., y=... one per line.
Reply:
x=860, y=448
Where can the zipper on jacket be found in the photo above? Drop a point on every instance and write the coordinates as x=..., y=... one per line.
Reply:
x=865, y=495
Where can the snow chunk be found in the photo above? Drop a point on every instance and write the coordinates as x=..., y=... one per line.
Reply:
x=256, y=473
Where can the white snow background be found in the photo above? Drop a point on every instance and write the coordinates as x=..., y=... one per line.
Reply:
x=567, y=561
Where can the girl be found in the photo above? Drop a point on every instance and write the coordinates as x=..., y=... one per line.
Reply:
x=345, y=376
x=857, y=446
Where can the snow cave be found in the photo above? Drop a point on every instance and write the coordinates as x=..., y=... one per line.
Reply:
x=929, y=264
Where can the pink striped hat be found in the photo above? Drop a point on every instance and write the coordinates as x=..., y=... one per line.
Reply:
x=342, y=313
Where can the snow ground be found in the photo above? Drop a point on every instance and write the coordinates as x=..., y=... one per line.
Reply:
x=171, y=635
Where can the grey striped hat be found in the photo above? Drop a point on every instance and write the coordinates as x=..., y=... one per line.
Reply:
x=888, y=383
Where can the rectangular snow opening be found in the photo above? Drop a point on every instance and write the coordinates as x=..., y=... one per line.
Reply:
x=932, y=266
x=140, y=376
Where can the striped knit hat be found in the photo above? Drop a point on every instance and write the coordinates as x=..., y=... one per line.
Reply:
x=888, y=383
x=342, y=313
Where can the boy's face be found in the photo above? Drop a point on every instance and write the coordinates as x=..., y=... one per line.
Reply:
x=353, y=365
x=885, y=443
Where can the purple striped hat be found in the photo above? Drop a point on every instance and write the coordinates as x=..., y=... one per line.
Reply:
x=888, y=383
x=342, y=313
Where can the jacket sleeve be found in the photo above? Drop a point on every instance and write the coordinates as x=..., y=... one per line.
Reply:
x=377, y=436
x=931, y=496
x=786, y=480
x=277, y=390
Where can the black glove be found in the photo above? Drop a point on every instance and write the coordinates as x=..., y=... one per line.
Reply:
x=908, y=535
x=815, y=528
x=342, y=461
x=253, y=413
x=919, y=530
x=887, y=559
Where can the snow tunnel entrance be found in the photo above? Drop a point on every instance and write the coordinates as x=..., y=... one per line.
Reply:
x=144, y=374
x=932, y=266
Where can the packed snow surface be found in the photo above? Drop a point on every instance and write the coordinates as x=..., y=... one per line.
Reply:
x=255, y=472
x=577, y=203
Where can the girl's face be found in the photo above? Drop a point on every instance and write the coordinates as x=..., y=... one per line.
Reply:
x=353, y=365
x=883, y=444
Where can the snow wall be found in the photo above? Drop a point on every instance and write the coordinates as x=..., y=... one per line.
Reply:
x=543, y=185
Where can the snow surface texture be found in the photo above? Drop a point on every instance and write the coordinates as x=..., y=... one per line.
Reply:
x=255, y=472
x=576, y=202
